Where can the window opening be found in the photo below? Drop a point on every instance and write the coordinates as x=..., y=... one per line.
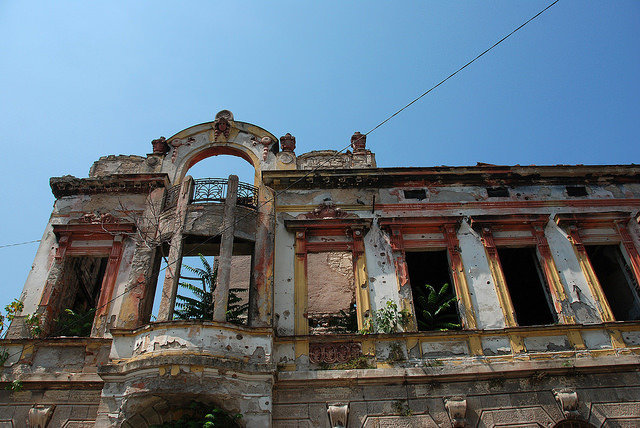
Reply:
x=418, y=194
x=434, y=298
x=331, y=293
x=576, y=191
x=82, y=277
x=199, y=277
x=497, y=192
x=526, y=285
x=616, y=281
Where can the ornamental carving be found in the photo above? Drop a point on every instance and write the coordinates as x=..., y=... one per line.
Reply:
x=266, y=143
x=287, y=143
x=160, y=146
x=568, y=401
x=97, y=218
x=176, y=144
x=325, y=210
x=359, y=142
x=221, y=127
x=331, y=353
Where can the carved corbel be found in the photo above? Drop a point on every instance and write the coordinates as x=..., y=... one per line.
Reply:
x=301, y=243
x=457, y=409
x=541, y=240
x=574, y=237
x=396, y=238
x=487, y=240
x=568, y=401
x=338, y=415
x=39, y=416
x=358, y=241
x=63, y=243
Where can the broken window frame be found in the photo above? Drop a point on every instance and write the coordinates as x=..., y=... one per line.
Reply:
x=351, y=232
x=429, y=234
x=521, y=230
x=85, y=240
x=605, y=228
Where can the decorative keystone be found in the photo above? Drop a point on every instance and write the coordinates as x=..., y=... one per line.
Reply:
x=358, y=142
x=160, y=146
x=39, y=416
x=338, y=415
x=568, y=401
x=457, y=409
x=221, y=126
x=287, y=143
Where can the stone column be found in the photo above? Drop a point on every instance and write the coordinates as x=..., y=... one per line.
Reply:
x=174, y=261
x=221, y=293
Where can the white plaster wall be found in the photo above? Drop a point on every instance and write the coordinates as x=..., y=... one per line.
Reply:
x=582, y=304
x=383, y=283
x=283, y=301
x=37, y=277
x=481, y=284
x=120, y=291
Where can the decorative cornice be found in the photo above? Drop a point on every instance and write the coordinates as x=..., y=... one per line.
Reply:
x=482, y=175
x=509, y=221
x=117, y=183
x=586, y=220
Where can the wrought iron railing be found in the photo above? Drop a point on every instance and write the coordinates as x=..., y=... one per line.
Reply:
x=247, y=195
x=212, y=190
x=209, y=190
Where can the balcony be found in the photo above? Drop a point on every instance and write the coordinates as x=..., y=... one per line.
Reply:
x=212, y=190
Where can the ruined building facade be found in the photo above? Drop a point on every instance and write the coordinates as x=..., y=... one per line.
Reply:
x=349, y=321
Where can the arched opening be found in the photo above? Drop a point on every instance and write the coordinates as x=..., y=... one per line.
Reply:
x=235, y=155
x=202, y=261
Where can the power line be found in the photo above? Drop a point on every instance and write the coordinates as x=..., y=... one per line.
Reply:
x=463, y=67
x=272, y=199
x=19, y=243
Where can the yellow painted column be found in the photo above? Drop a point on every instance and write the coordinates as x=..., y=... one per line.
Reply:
x=459, y=278
x=301, y=324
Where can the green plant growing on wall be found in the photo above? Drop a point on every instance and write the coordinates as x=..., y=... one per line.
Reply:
x=200, y=306
x=436, y=309
x=388, y=318
x=32, y=321
x=75, y=323
x=15, y=386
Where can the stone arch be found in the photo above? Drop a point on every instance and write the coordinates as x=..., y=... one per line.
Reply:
x=194, y=144
x=146, y=410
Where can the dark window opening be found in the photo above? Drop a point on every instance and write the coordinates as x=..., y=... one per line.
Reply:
x=82, y=279
x=434, y=298
x=617, y=281
x=526, y=285
x=418, y=194
x=497, y=192
x=331, y=293
x=576, y=191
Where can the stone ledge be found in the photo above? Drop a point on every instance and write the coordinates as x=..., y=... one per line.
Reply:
x=69, y=185
x=475, y=368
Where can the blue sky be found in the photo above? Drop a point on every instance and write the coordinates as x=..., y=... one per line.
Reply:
x=79, y=80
